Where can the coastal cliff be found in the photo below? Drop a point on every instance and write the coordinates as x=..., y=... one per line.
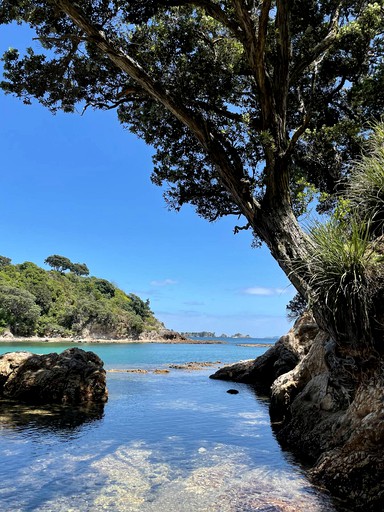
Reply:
x=326, y=406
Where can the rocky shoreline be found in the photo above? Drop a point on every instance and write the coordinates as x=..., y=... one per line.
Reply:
x=326, y=406
x=169, y=337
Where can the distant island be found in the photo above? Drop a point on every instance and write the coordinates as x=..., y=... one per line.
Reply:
x=209, y=334
x=65, y=302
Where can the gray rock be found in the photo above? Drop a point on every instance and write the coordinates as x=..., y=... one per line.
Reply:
x=72, y=377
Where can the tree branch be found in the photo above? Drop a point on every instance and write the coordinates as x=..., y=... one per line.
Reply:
x=281, y=72
x=237, y=229
x=298, y=133
x=104, y=106
x=320, y=49
x=209, y=107
x=60, y=39
x=217, y=13
x=249, y=32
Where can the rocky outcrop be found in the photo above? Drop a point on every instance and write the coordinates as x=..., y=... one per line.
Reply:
x=328, y=408
x=72, y=377
x=165, y=335
x=278, y=360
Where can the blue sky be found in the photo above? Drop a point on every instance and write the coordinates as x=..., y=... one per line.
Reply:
x=80, y=186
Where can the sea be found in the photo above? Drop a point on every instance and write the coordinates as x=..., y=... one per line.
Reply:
x=164, y=442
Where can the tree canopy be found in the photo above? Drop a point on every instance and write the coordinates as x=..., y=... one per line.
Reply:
x=59, y=263
x=62, y=263
x=247, y=103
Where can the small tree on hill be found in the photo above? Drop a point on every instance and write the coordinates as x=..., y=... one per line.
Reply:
x=59, y=263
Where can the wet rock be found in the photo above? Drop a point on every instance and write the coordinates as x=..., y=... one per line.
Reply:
x=278, y=360
x=72, y=377
x=166, y=335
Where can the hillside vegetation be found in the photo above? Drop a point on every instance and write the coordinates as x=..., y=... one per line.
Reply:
x=63, y=302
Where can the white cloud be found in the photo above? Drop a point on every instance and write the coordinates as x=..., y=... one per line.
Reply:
x=164, y=282
x=259, y=290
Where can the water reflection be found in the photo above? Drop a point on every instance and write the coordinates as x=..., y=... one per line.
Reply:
x=55, y=419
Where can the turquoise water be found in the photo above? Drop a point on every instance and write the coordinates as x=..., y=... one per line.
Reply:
x=171, y=442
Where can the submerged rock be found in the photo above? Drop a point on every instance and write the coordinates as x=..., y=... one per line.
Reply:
x=72, y=377
x=327, y=406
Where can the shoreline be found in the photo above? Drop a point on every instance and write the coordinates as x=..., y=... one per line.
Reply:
x=125, y=341
x=81, y=341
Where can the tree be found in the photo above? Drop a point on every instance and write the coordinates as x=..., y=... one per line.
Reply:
x=4, y=261
x=18, y=310
x=105, y=287
x=139, y=307
x=243, y=101
x=296, y=307
x=80, y=269
x=59, y=263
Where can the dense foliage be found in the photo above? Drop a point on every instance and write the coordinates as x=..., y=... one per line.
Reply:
x=34, y=301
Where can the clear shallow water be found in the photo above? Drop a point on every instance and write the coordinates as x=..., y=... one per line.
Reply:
x=175, y=442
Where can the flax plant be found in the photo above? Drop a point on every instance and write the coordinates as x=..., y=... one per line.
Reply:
x=341, y=259
x=365, y=191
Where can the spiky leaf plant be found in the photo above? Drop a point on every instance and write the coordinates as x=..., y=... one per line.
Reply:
x=366, y=187
x=342, y=262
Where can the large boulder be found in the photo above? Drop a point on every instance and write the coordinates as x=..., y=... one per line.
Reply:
x=72, y=377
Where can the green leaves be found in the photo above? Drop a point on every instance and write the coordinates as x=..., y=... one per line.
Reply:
x=365, y=190
x=36, y=301
x=18, y=310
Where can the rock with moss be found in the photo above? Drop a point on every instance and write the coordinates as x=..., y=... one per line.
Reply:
x=70, y=378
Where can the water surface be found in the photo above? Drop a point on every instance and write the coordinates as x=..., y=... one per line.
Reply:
x=172, y=442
